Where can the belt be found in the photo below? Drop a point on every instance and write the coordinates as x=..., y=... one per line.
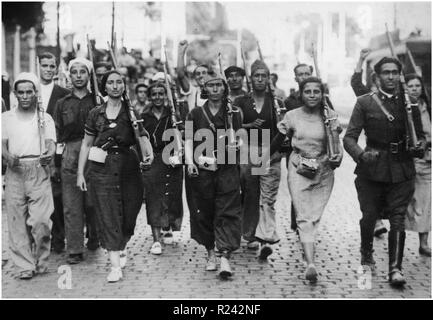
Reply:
x=117, y=150
x=28, y=158
x=392, y=147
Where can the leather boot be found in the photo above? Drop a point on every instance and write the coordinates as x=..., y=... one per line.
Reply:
x=395, y=251
x=367, y=237
x=368, y=260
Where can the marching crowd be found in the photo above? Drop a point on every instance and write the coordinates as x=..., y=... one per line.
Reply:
x=80, y=162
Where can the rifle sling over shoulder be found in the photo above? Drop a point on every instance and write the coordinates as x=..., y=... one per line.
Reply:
x=388, y=115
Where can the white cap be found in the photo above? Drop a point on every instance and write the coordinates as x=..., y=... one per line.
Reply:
x=27, y=76
x=83, y=61
x=160, y=76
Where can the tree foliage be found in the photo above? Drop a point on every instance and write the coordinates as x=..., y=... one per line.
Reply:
x=25, y=14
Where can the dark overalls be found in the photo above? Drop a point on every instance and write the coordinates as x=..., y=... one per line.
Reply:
x=70, y=116
x=216, y=193
x=387, y=185
x=116, y=186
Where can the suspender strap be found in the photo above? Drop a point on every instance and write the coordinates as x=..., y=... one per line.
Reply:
x=386, y=112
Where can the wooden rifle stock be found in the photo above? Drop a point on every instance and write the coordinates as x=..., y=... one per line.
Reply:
x=247, y=79
x=40, y=113
x=275, y=103
x=174, y=122
x=94, y=83
x=412, y=138
x=143, y=155
x=232, y=138
x=332, y=137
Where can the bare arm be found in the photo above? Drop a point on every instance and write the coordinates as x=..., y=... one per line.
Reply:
x=183, y=80
x=86, y=144
x=10, y=159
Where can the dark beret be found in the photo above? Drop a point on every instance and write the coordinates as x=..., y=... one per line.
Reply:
x=234, y=69
x=386, y=60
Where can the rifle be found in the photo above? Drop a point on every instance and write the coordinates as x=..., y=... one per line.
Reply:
x=245, y=68
x=142, y=150
x=412, y=138
x=275, y=103
x=41, y=114
x=233, y=143
x=176, y=158
x=93, y=83
x=332, y=139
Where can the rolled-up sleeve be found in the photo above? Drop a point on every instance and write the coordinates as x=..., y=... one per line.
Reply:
x=50, y=129
x=90, y=127
x=284, y=125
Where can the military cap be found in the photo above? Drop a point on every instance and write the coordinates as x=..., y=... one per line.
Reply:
x=259, y=64
x=213, y=76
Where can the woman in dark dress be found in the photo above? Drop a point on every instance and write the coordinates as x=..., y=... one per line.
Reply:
x=115, y=179
x=163, y=182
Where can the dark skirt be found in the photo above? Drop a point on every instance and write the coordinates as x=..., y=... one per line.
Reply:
x=117, y=193
x=163, y=189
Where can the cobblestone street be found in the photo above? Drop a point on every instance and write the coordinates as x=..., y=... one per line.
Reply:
x=179, y=272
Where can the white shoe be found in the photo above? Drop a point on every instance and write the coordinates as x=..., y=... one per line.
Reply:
x=253, y=245
x=115, y=274
x=167, y=238
x=123, y=258
x=225, y=270
x=156, y=248
x=211, y=264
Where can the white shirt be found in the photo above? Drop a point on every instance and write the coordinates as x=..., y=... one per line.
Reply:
x=46, y=90
x=23, y=136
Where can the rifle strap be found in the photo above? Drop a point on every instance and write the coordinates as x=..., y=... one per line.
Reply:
x=41, y=128
x=388, y=115
x=211, y=124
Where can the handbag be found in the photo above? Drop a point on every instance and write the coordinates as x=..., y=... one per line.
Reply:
x=307, y=167
x=208, y=163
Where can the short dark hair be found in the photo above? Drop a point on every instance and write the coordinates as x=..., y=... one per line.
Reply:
x=384, y=60
x=106, y=65
x=138, y=86
x=47, y=55
x=105, y=78
x=309, y=80
x=303, y=65
x=275, y=75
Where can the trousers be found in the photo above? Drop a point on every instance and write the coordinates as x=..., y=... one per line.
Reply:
x=376, y=197
x=29, y=204
x=218, y=216
x=77, y=206
x=259, y=194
